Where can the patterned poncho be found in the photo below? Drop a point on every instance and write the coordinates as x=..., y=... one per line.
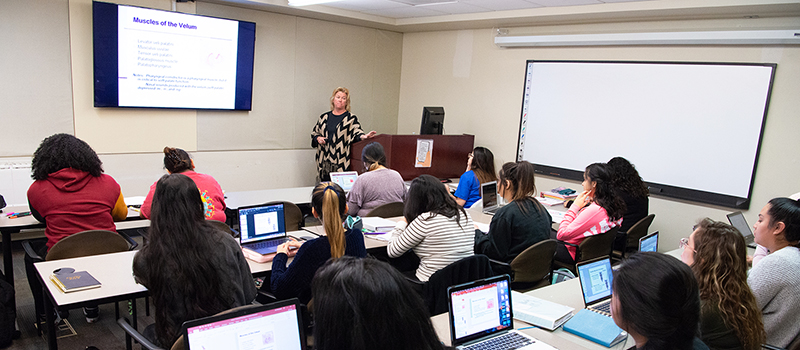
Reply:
x=334, y=155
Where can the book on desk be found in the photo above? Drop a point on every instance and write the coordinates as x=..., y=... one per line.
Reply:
x=596, y=327
x=74, y=281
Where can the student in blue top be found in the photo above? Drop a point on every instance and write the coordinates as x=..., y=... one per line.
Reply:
x=480, y=169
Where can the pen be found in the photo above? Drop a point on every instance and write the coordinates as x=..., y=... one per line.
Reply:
x=19, y=215
x=11, y=214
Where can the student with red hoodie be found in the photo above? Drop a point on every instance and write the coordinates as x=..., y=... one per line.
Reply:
x=70, y=194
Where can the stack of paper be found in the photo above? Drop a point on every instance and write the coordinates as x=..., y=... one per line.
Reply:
x=376, y=224
x=539, y=312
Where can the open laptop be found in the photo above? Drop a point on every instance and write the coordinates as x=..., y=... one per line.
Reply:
x=649, y=243
x=274, y=326
x=344, y=179
x=738, y=222
x=489, y=197
x=481, y=317
x=595, y=276
x=263, y=227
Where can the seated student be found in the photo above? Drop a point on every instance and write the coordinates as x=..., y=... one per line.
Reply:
x=438, y=230
x=596, y=210
x=729, y=315
x=381, y=309
x=70, y=194
x=655, y=299
x=633, y=191
x=480, y=169
x=328, y=204
x=177, y=161
x=518, y=225
x=775, y=280
x=191, y=269
x=379, y=185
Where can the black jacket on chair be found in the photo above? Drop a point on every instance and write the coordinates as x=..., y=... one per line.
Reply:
x=472, y=268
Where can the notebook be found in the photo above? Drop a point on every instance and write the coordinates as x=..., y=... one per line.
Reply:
x=272, y=326
x=737, y=221
x=649, y=243
x=595, y=277
x=263, y=227
x=489, y=197
x=345, y=179
x=481, y=317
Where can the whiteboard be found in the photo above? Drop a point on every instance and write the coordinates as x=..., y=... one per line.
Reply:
x=693, y=130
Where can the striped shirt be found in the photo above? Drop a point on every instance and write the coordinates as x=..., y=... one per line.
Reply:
x=437, y=240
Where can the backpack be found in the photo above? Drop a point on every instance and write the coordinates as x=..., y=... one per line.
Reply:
x=8, y=315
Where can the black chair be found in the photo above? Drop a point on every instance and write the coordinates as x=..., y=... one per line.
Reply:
x=636, y=232
x=434, y=291
x=295, y=219
x=224, y=228
x=592, y=247
x=532, y=268
x=388, y=210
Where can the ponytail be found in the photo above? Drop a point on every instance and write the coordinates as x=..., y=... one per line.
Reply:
x=329, y=202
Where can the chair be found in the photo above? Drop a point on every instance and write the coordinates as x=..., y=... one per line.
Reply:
x=388, y=210
x=636, y=232
x=294, y=216
x=223, y=227
x=592, y=247
x=532, y=268
x=434, y=291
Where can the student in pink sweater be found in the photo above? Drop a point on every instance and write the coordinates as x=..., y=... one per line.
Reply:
x=596, y=210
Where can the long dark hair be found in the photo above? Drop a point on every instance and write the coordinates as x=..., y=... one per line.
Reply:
x=787, y=211
x=604, y=193
x=520, y=177
x=658, y=298
x=61, y=151
x=373, y=155
x=177, y=160
x=483, y=164
x=177, y=253
x=720, y=266
x=626, y=179
x=330, y=203
x=427, y=194
x=365, y=304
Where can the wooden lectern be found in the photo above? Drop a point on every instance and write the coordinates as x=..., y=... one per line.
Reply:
x=448, y=158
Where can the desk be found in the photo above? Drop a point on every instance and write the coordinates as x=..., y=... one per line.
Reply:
x=263, y=269
x=114, y=271
x=370, y=242
x=296, y=195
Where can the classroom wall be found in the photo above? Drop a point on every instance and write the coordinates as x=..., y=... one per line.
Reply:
x=480, y=86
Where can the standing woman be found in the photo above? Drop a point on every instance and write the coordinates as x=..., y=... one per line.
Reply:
x=379, y=185
x=333, y=134
x=516, y=227
x=480, y=169
x=177, y=161
x=191, y=268
x=775, y=280
x=596, y=210
x=729, y=316
x=438, y=230
x=634, y=193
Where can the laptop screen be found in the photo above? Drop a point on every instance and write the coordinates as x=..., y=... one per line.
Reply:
x=489, y=194
x=649, y=243
x=261, y=222
x=595, y=277
x=480, y=308
x=344, y=179
x=258, y=328
x=737, y=221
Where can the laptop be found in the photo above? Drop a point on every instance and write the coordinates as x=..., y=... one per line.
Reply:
x=489, y=197
x=345, y=179
x=273, y=326
x=263, y=228
x=738, y=222
x=481, y=317
x=595, y=276
x=649, y=243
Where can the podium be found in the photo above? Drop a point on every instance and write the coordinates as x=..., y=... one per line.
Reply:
x=448, y=156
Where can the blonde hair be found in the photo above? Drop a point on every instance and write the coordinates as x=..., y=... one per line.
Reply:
x=346, y=92
x=329, y=201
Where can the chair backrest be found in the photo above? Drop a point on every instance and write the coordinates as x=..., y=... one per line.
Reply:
x=222, y=227
x=388, y=210
x=597, y=246
x=293, y=214
x=469, y=269
x=86, y=243
x=637, y=231
x=535, y=262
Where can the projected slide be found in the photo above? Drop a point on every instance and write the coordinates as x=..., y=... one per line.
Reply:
x=175, y=60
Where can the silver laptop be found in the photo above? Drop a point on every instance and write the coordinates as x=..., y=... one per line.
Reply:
x=345, y=179
x=489, y=197
x=649, y=243
x=274, y=326
x=263, y=227
x=738, y=222
x=595, y=276
x=481, y=317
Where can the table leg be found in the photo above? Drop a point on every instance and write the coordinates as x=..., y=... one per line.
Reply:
x=8, y=264
x=133, y=314
x=49, y=319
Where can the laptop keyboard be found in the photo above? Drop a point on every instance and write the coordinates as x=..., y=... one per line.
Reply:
x=492, y=210
x=508, y=341
x=265, y=244
x=603, y=308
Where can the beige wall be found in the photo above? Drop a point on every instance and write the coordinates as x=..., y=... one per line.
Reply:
x=480, y=86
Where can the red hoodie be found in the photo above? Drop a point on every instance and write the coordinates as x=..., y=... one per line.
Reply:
x=72, y=201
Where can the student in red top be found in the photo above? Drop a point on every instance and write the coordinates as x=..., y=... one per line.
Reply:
x=70, y=194
x=177, y=161
x=596, y=210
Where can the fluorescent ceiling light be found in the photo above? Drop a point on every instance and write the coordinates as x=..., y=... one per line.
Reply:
x=308, y=2
x=436, y=3
x=745, y=37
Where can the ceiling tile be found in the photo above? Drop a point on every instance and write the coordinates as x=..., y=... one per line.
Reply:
x=502, y=5
x=554, y=3
x=365, y=5
x=406, y=12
